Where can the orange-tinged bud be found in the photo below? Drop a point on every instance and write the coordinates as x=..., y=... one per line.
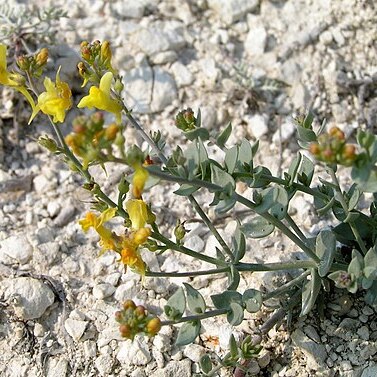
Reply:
x=349, y=151
x=337, y=133
x=42, y=56
x=129, y=304
x=111, y=131
x=118, y=316
x=82, y=69
x=125, y=331
x=314, y=149
x=153, y=326
x=23, y=62
x=140, y=311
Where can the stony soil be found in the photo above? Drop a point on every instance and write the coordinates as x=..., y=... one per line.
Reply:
x=254, y=62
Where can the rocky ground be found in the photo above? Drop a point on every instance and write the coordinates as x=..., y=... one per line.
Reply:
x=254, y=62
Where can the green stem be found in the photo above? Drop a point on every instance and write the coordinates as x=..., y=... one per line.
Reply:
x=210, y=226
x=197, y=317
x=186, y=274
x=256, y=267
x=287, y=286
x=340, y=197
x=184, y=250
x=273, y=220
x=191, y=198
x=294, y=226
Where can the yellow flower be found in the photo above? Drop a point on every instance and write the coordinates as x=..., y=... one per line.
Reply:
x=131, y=257
x=138, y=213
x=141, y=235
x=55, y=101
x=139, y=179
x=13, y=80
x=100, y=97
x=92, y=221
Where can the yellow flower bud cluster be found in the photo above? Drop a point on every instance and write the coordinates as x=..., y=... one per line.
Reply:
x=35, y=64
x=134, y=319
x=332, y=148
x=92, y=140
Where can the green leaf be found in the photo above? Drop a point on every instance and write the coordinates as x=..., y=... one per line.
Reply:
x=223, y=300
x=279, y=209
x=354, y=198
x=233, y=278
x=198, y=122
x=195, y=300
x=235, y=314
x=306, y=171
x=293, y=168
x=327, y=207
x=268, y=199
x=306, y=135
x=325, y=249
x=356, y=265
x=225, y=205
x=252, y=300
x=310, y=292
x=197, y=133
x=258, y=227
x=230, y=159
x=176, y=305
x=186, y=190
x=245, y=154
x=257, y=180
x=233, y=348
x=371, y=295
x=370, y=263
x=366, y=177
x=220, y=177
x=188, y=333
x=238, y=243
x=223, y=137
x=308, y=120
x=205, y=364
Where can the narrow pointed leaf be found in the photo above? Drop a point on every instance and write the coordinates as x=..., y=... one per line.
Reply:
x=310, y=293
x=224, y=136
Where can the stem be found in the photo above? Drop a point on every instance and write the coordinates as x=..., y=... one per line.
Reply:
x=340, y=197
x=197, y=317
x=144, y=135
x=273, y=220
x=184, y=250
x=186, y=274
x=191, y=198
x=256, y=267
x=286, y=286
x=210, y=226
x=294, y=226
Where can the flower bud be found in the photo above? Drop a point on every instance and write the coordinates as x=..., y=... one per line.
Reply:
x=140, y=311
x=106, y=54
x=97, y=120
x=123, y=186
x=111, y=131
x=337, y=133
x=41, y=58
x=48, y=143
x=185, y=120
x=179, y=231
x=23, y=62
x=118, y=316
x=125, y=331
x=118, y=86
x=129, y=304
x=314, y=149
x=153, y=326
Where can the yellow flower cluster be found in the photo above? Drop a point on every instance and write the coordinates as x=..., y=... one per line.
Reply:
x=126, y=245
